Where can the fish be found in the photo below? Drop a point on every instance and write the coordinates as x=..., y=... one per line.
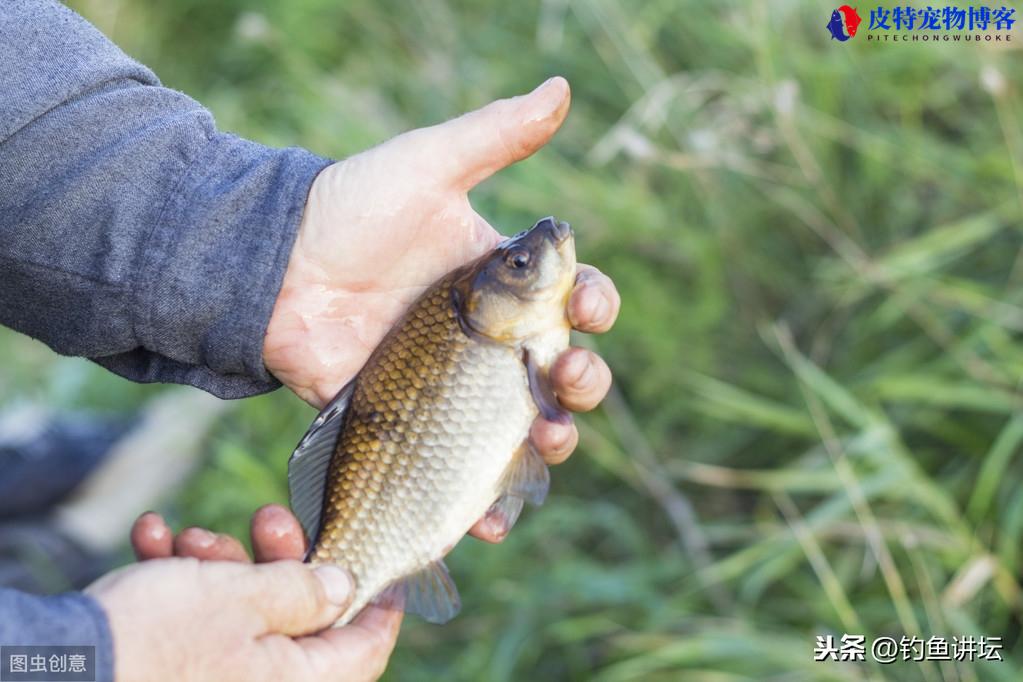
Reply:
x=852, y=19
x=836, y=28
x=432, y=434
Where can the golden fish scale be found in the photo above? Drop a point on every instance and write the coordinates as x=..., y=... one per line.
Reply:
x=434, y=421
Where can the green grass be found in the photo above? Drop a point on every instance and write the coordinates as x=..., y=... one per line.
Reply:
x=816, y=424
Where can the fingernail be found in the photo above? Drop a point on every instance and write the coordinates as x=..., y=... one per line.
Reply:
x=543, y=101
x=543, y=85
x=337, y=584
x=564, y=444
x=497, y=529
x=274, y=521
x=203, y=537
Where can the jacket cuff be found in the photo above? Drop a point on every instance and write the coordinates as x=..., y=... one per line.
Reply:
x=70, y=619
x=214, y=263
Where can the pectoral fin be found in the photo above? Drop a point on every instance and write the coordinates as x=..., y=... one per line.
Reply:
x=543, y=392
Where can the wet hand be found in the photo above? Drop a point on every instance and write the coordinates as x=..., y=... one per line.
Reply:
x=222, y=618
x=274, y=531
x=383, y=225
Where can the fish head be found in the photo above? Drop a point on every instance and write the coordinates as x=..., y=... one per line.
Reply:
x=520, y=290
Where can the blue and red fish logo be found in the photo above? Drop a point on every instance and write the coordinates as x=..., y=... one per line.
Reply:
x=844, y=22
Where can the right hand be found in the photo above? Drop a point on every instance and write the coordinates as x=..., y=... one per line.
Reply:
x=206, y=613
x=381, y=226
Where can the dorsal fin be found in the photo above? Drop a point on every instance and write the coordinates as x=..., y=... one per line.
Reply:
x=307, y=468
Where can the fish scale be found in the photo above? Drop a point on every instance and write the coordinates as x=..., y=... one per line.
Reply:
x=433, y=432
x=432, y=413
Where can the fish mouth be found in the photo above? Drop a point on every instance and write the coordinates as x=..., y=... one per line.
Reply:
x=558, y=231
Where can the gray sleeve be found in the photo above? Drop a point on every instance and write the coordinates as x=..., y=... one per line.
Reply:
x=132, y=232
x=71, y=619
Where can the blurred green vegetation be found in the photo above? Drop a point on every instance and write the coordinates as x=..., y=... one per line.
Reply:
x=816, y=426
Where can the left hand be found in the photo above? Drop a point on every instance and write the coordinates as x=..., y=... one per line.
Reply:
x=275, y=533
x=205, y=617
x=383, y=225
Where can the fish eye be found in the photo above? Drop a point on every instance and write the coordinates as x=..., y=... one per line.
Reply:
x=517, y=259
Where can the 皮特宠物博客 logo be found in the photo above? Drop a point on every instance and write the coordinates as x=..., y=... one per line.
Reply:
x=844, y=22
x=902, y=23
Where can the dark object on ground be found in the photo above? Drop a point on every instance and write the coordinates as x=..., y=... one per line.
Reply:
x=43, y=458
x=35, y=556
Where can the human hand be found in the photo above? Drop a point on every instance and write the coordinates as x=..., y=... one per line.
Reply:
x=382, y=226
x=222, y=618
x=275, y=533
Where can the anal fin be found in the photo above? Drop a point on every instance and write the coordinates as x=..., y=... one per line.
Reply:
x=429, y=593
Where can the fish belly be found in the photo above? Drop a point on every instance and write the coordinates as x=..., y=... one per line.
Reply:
x=443, y=471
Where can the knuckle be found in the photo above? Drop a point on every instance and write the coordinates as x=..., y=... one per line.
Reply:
x=285, y=586
x=575, y=372
x=306, y=590
x=511, y=146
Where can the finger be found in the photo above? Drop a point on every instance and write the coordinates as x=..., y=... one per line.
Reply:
x=476, y=145
x=594, y=303
x=360, y=649
x=151, y=538
x=554, y=441
x=293, y=598
x=202, y=544
x=276, y=534
x=581, y=379
x=487, y=531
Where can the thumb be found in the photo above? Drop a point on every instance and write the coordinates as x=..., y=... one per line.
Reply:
x=476, y=145
x=295, y=599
